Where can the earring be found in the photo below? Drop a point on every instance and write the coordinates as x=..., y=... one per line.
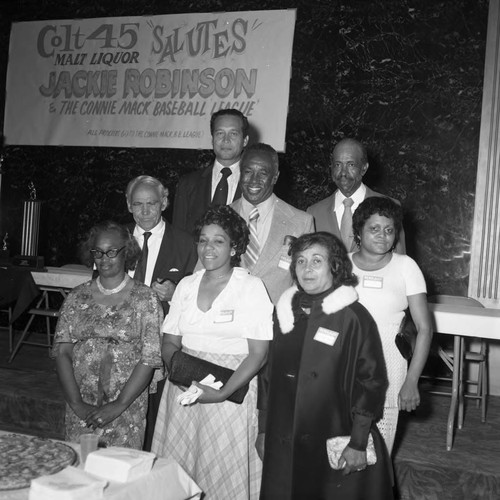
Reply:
x=233, y=253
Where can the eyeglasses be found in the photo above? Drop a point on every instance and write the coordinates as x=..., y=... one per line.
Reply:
x=110, y=254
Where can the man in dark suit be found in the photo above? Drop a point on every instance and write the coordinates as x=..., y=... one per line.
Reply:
x=334, y=214
x=171, y=253
x=168, y=254
x=216, y=184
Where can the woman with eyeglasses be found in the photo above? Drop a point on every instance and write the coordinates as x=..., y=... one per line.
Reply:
x=107, y=343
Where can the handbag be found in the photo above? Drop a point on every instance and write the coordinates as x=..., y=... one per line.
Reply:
x=185, y=369
x=336, y=445
x=406, y=336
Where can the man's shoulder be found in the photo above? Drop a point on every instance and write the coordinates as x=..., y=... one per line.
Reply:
x=191, y=178
x=177, y=234
x=291, y=211
x=322, y=205
x=371, y=192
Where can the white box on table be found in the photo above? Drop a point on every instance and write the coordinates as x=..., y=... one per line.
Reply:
x=119, y=464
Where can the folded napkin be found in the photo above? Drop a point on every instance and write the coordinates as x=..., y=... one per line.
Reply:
x=193, y=393
x=69, y=484
x=119, y=464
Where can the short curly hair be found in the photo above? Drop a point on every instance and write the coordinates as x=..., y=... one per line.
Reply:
x=232, y=223
x=380, y=205
x=340, y=264
x=132, y=250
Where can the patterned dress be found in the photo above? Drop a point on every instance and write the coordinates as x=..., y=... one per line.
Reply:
x=215, y=443
x=385, y=294
x=108, y=343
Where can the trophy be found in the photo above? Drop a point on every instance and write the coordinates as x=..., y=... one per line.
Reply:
x=31, y=229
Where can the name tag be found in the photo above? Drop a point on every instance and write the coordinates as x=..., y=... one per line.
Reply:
x=373, y=282
x=285, y=261
x=326, y=336
x=225, y=316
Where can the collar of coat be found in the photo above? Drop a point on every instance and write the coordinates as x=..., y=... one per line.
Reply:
x=336, y=301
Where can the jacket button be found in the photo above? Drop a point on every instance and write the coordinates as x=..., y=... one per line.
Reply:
x=314, y=374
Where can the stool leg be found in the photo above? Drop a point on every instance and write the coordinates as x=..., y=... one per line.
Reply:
x=484, y=389
x=21, y=340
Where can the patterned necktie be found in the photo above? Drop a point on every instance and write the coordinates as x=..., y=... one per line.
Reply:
x=220, y=195
x=253, y=248
x=346, y=224
x=140, y=270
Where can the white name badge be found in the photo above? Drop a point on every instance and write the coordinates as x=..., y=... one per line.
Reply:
x=224, y=316
x=326, y=336
x=285, y=261
x=373, y=282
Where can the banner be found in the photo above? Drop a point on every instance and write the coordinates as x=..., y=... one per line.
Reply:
x=147, y=81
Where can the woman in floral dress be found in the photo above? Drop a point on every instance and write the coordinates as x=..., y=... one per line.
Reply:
x=107, y=344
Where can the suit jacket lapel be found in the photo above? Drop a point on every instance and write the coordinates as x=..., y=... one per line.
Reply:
x=275, y=240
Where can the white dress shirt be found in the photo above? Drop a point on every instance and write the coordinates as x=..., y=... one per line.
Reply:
x=154, y=244
x=266, y=211
x=357, y=197
x=232, y=180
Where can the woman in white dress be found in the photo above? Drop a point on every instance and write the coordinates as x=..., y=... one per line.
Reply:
x=389, y=283
x=224, y=315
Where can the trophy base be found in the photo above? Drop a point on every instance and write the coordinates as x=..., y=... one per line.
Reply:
x=28, y=261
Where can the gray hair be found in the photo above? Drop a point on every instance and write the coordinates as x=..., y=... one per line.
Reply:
x=146, y=179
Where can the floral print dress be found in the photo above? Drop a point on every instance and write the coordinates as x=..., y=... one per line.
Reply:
x=109, y=341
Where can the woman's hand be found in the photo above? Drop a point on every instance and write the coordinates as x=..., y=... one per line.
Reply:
x=209, y=394
x=352, y=461
x=83, y=410
x=409, y=396
x=100, y=417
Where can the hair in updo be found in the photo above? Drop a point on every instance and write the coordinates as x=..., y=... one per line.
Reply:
x=233, y=224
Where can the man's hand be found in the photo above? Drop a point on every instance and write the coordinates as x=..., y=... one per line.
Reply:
x=164, y=290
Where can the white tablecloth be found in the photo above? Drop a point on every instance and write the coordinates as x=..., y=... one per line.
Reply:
x=167, y=481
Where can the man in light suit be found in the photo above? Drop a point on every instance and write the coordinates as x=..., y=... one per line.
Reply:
x=196, y=191
x=170, y=256
x=277, y=222
x=349, y=165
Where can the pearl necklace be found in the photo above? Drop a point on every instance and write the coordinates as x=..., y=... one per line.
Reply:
x=108, y=291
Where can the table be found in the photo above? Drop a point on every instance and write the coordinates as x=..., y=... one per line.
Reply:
x=59, y=280
x=461, y=321
x=167, y=481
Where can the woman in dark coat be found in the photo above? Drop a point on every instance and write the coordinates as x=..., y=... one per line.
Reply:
x=326, y=377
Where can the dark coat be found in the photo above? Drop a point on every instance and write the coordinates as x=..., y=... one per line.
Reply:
x=177, y=251
x=193, y=196
x=314, y=390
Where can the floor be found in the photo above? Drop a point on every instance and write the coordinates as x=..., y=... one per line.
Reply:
x=31, y=401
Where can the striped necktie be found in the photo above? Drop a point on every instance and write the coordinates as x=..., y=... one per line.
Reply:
x=253, y=248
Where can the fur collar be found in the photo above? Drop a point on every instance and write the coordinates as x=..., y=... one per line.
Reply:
x=336, y=301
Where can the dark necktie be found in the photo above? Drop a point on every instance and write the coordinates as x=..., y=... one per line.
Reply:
x=220, y=195
x=140, y=270
x=346, y=224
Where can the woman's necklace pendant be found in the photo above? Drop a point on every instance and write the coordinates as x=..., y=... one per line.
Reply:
x=111, y=291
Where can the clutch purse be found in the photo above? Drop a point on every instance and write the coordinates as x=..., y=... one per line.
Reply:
x=186, y=368
x=406, y=336
x=336, y=445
